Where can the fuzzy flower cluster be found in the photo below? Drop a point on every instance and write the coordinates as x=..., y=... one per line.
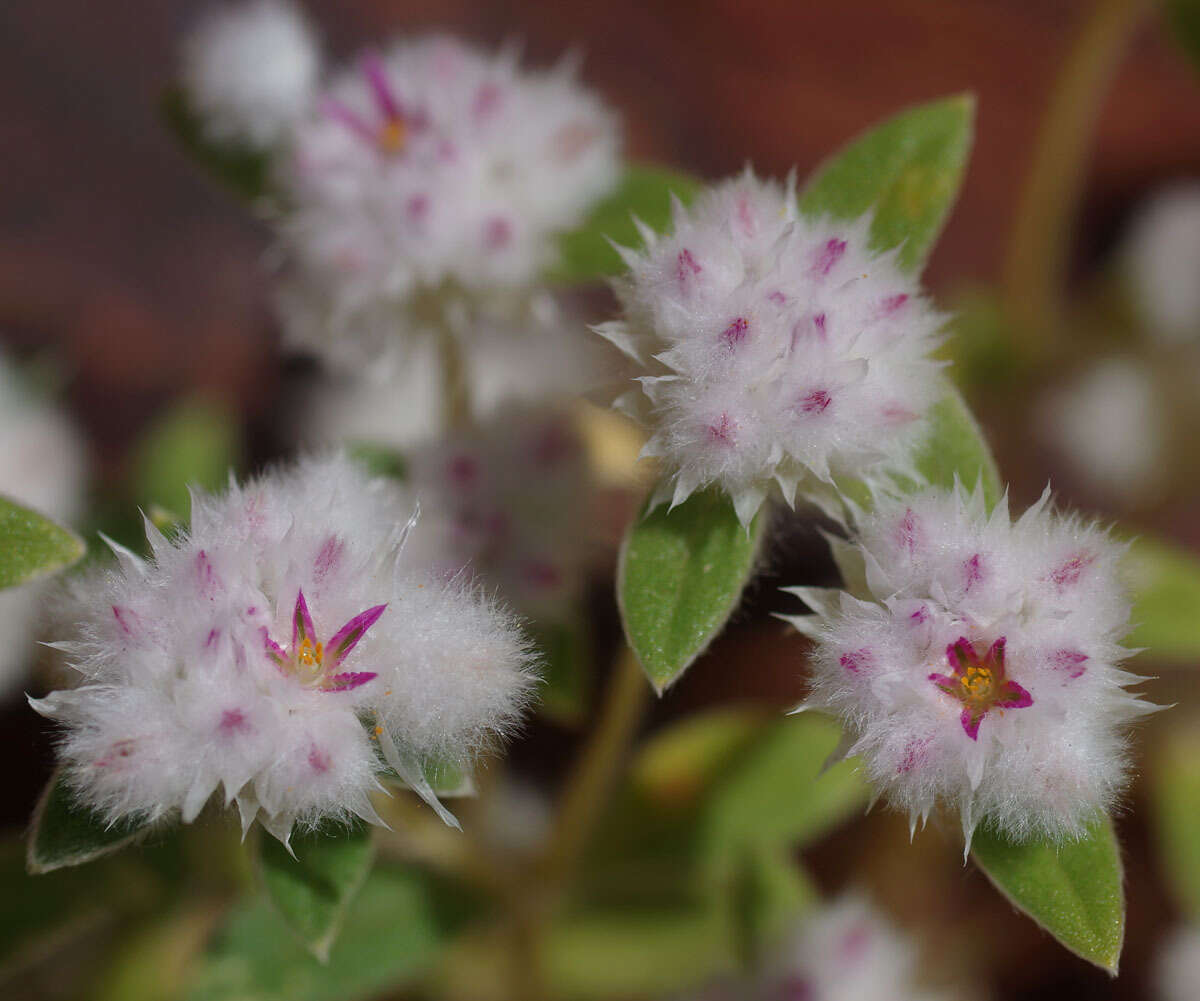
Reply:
x=282, y=653
x=432, y=173
x=978, y=664
x=42, y=466
x=512, y=508
x=776, y=349
x=250, y=72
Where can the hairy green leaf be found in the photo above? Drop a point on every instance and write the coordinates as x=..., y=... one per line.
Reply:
x=196, y=443
x=1176, y=804
x=65, y=832
x=32, y=546
x=1165, y=581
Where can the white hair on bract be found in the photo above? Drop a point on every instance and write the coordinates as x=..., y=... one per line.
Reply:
x=774, y=349
x=43, y=466
x=975, y=661
x=284, y=651
x=431, y=173
x=250, y=71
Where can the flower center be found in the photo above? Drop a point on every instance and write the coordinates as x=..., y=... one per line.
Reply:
x=306, y=661
x=979, y=683
x=393, y=135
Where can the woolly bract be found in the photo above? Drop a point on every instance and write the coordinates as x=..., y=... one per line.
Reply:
x=977, y=664
x=250, y=71
x=284, y=652
x=775, y=348
x=42, y=466
x=435, y=169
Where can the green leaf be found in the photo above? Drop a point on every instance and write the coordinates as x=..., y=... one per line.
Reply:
x=680, y=576
x=767, y=894
x=393, y=932
x=644, y=191
x=196, y=443
x=956, y=447
x=775, y=794
x=65, y=832
x=243, y=170
x=1183, y=18
x=908, y=170
x=566, y=669
x=1072, y=890
x=1176, y=806
x=380, y=460
x=32, y=546
x=1165, y=581
x=313, y=889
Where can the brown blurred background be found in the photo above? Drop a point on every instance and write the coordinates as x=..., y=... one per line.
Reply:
x=144, y=280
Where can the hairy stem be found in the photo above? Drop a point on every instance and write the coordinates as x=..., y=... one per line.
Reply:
x=1036, y=266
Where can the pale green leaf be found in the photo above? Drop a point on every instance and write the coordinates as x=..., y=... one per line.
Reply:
x=680, y=577
x=907, y=170
x=1165, y=581
x=956, y=447
x=1176, y=805
x=196, y=443
x=243, y=170
x=767, y=894
x=33, y=546
x=566, y=668
x=1073, y=890
x=313, y=889
x=645, y=192
x=1183, y=17
x=65, y=832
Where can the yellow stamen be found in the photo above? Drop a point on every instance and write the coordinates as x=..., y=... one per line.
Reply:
x=393, y=136
x=308, y=655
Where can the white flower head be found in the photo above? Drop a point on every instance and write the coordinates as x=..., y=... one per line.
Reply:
x=1159, y=257
x=847, y=951
x=1178, y=966
x=282, y=651
x=42, y=466
x=250, y=71
x=1109, y=425
x=434, y=167
x=979, y=666
x=776, y=348
x=512, y=508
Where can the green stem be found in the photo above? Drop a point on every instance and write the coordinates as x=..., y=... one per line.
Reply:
x=1036, y=267
x=456, y=393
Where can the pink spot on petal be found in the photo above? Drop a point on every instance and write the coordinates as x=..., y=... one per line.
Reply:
x=497, y=234
x=233, y=721
x=417, y=207
x=896, y=414
x=830, y=254
x=972, y=572
x=211, y=641
x=920, y=616
x=722, y=430
x=906, y=532
x=1070, y=662
x=856, y=661
x=778, y=298
x=127, y=620
x=117, y=754
x=487, y=100
x=329, y=556
x=318, y=759
x=816, y=402
x=206, y=575
x=854, y=943
x=1068, y=574
x=735, y=333
x=915, y=752
x=686, y=267
x=893, y=303
x=745, y=216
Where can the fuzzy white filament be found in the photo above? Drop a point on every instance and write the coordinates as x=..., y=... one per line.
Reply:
x=977, y=663
x=250, y=71
x=282, y=651
x=775, y=349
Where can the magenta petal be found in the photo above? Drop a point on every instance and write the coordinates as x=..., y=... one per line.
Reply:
x=273, y=649
x=345, y=639
x=302, y=624
x=1014, y=697
x=970, y=723
x=376, y=74
x=947, y=683
x=345, y=682
x=995, y=655
x=960, y=653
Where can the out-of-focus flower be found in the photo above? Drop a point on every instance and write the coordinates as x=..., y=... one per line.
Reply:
x=42, y=465
x=1161, y=258
x=774, y=348
x=433, y=173
x=250, y=71
x=281, y=651
x=1109, y=427
x=979, y=666
x=512, y=509
x=1177, y=973
x=845, y=952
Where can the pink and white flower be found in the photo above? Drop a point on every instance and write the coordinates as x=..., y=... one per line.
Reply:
x=976, y=662
x=777, y=351
x=281, y=652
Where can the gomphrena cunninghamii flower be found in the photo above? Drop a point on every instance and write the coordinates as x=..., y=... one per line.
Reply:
x=433, y=172
x=977, y=662
x=776, y=349
x=250, y=71
x=284, y=652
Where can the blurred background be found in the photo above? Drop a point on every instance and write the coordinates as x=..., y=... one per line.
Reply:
x=141, y=283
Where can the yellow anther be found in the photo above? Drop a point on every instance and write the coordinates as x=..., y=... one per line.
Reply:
x=393, y=136
x=308, y=655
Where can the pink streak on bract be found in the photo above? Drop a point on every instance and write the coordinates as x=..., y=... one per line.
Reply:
x=1069, y=573
x=816, y=402
x=686, y=265
x=856, y=660
x=972, y=571
x=318, y=760
x=207, y=575
x=735, y=333
x=126, y=619
x=233, y=721
x=1070, y=661
x=894, y=302
x=907, y=532
x=831, y=253
x=722, y=431
x=346, y=638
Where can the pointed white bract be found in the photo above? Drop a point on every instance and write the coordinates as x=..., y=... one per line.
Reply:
x=979, y=666
x=1159, y=260
x=283, y=651
x=434, y=173
x=776, y=349
x=512, y=509
x=42, y=466
x=250, y=71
